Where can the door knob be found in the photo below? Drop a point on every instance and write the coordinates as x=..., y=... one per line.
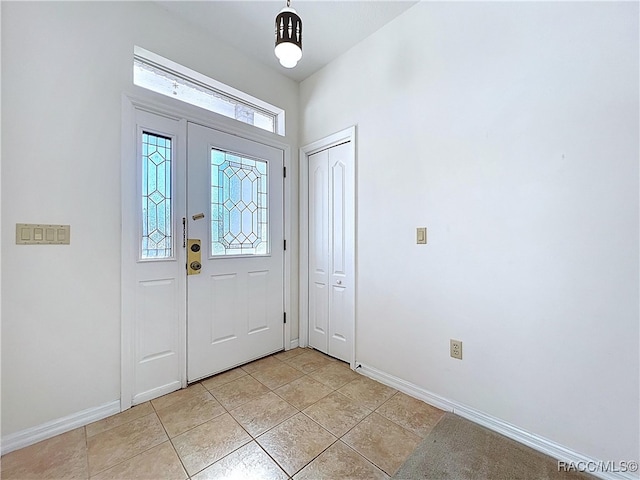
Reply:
x=339, y=282
x=194, y=253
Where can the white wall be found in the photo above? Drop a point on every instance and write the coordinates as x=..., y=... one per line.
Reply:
x=510, y=130
x=64, y=68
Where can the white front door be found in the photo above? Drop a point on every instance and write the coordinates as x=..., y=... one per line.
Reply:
x=331, y=256
x=178, y=328
x=235, y=297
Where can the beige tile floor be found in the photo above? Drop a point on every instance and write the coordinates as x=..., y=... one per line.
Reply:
x=297, y=414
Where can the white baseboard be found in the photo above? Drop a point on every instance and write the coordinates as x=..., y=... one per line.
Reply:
x=406, y=387
x=24, y=438
x=294, y=344
x=532, y=440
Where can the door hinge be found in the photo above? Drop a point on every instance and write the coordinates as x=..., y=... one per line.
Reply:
x=285, y=317
x=285, y=171
x=184, y=232
x=285, y=244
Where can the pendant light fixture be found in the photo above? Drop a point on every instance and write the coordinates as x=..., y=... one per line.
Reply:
x=288, y=37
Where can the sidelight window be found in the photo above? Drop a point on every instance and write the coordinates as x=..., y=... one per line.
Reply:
x=156, y=197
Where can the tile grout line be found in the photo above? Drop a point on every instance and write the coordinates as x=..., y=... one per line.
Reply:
x=371, y=412
x=184, y=467
x=353, y=448
x=365, y=458
x=321, y=426
x=232, y=417
x=195, y=426
x=171, y=440
x=271, y=457
x=251, y=436
x=314, y=458
x=305, y=375
x=136, y=455
x=299, y=411
x=220, y=459
x=86, y=450
x=337, y=438
x=253, y=439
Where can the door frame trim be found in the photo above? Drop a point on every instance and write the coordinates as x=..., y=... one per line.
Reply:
x=154, y=103
x=343, y=136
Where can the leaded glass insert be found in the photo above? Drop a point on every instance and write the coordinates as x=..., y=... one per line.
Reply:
x=156, y=197
x=239, y=205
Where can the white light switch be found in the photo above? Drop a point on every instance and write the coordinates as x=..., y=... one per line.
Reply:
x=421, y=235
x=36, y=234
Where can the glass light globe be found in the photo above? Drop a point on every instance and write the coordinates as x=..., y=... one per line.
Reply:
x=288, y=53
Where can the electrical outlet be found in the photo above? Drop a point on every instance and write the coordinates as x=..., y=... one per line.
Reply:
x=456, y=349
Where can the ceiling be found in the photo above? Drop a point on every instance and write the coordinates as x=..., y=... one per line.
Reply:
x=329, y=27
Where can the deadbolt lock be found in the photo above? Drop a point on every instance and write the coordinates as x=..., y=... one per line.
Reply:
x=194, y=264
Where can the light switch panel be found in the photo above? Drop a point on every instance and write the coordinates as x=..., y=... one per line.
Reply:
x=421, y=235
x=38, y=234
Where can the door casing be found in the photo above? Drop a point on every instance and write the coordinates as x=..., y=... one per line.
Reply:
x=346, y=135
x=153, y=103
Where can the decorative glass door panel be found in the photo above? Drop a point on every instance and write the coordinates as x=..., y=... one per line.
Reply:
x=239, y=205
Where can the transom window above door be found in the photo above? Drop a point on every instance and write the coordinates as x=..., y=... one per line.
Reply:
x=163, y=76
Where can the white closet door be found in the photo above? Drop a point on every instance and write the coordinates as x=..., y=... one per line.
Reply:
x=331, y=256
x=341, y=308
x=319, y=250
